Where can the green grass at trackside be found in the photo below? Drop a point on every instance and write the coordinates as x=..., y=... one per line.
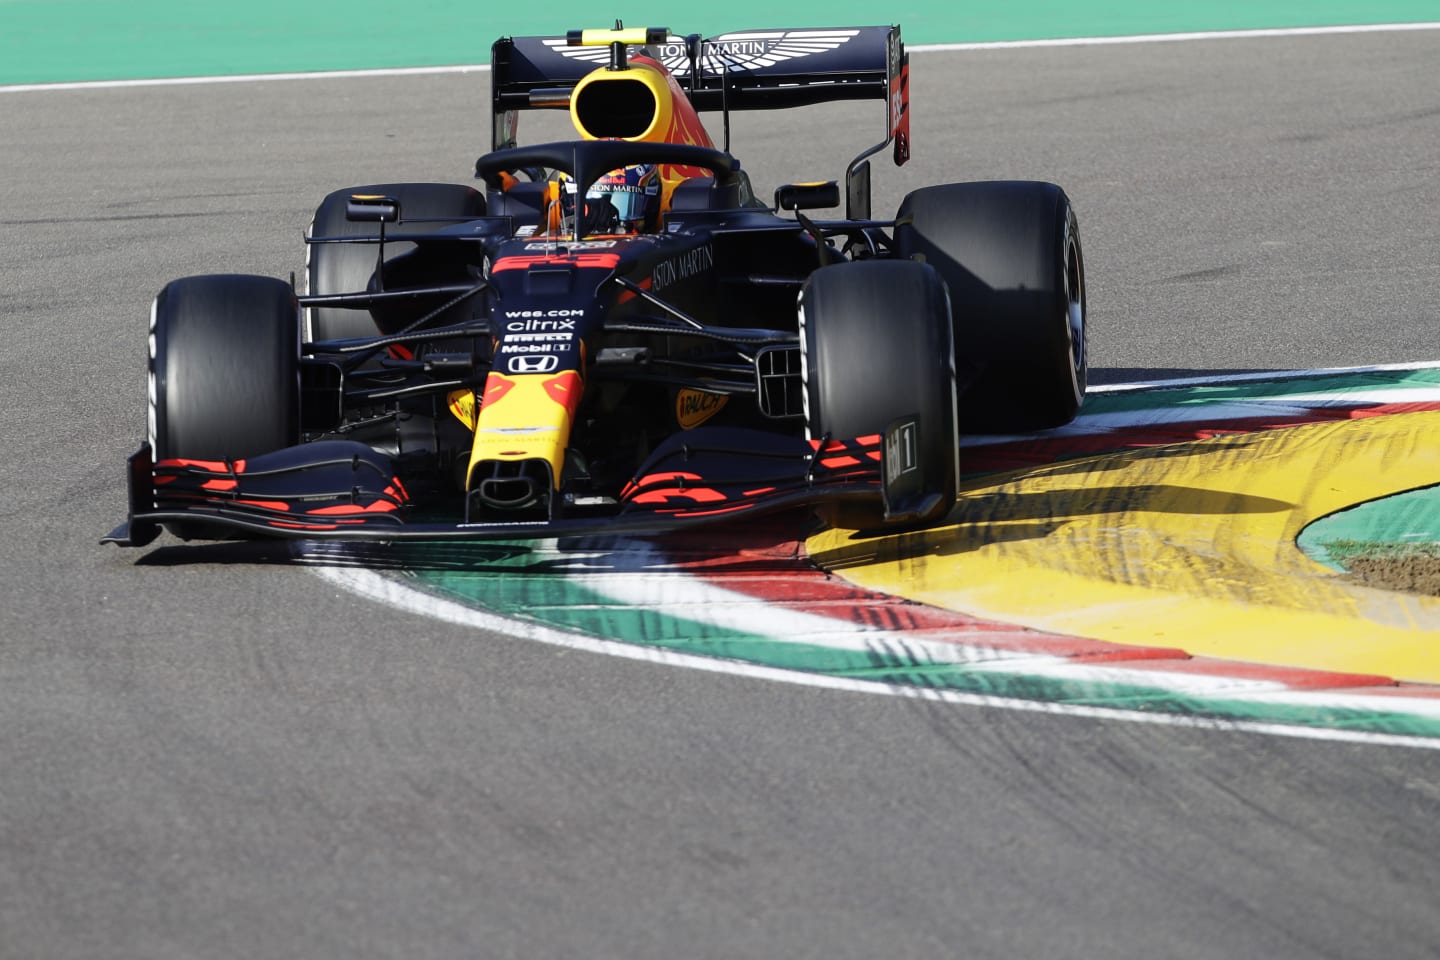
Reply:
x=43, y=41
x=1343, y=552
x=1388, y=528
x=1411, y=567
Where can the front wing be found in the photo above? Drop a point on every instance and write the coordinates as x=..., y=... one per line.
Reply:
x=344, y=490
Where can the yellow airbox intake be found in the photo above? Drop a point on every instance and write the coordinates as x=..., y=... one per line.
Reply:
x=631, y=104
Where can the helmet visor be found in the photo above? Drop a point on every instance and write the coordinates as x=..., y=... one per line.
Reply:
x=630, y=204
x=633, y=191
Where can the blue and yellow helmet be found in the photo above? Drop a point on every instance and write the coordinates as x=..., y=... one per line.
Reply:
x=623, y=200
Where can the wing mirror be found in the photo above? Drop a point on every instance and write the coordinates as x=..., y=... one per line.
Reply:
x=368, y=208
x=808, y=196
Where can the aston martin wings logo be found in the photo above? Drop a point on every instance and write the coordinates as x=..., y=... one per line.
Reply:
x=596, y=55
x=734, y=52
x=752, y=51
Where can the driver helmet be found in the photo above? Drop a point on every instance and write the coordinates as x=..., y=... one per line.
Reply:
x=627, y=199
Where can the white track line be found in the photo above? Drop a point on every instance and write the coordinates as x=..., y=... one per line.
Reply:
x=917, y=48
x=245, y=78
x=1179, y=37
x=1224, y=379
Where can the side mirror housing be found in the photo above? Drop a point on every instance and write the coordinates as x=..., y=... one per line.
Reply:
x=367, y=208
x=808, y=196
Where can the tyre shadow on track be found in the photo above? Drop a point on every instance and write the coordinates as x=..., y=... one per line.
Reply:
x=268, y=552
x=985, y=470
x=1056, y=505
x=1009, y=517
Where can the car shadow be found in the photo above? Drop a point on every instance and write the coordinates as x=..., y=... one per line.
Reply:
x=987, y=519
x=767, y=544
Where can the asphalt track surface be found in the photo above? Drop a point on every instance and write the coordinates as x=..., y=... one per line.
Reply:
x=207, y=752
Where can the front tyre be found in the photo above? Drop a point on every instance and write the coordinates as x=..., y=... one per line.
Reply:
x=876, y=349
x=1009, y=252
x=224, y=378
x=224, y=368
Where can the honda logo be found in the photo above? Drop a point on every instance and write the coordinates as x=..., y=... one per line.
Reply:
x=544, y=363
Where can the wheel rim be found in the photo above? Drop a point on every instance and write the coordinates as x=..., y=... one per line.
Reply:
x=1075, y=315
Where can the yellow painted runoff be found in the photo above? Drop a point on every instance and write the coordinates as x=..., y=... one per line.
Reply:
x=1190, y=546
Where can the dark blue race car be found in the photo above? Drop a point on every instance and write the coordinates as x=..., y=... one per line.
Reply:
x=615, y=332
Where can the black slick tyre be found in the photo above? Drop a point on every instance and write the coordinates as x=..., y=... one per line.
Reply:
x=876, y=348
x=333, y=268
x=224, y=368
x=1009, y=252
x=224, y=371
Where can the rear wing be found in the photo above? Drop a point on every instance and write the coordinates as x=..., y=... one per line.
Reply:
x=749, y=70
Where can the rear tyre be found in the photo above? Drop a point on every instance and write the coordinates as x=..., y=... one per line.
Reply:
x=333, y=268
x=1009, y=252
x=224, y=372
x=876, y=347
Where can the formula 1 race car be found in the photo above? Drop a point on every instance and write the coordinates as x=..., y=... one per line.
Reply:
x=615, y=334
